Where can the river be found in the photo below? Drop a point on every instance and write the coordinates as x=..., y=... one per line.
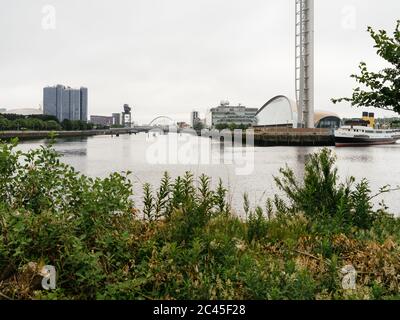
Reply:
x=101, y=155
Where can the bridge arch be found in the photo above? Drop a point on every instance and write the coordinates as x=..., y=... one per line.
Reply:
x=169, y=119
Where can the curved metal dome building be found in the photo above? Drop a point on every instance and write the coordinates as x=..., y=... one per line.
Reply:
x=281, y=111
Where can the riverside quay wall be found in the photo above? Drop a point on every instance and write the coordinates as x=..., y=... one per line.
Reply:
x=28, y=135
x=265, y=137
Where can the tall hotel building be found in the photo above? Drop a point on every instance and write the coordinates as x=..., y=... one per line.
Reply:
x=66, y=103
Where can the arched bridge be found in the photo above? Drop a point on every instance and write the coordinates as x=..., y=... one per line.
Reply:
x=162, y=121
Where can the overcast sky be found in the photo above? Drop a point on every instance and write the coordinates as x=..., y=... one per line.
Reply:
x=168, y=57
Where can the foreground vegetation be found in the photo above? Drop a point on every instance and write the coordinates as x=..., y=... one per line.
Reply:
x=187, y=243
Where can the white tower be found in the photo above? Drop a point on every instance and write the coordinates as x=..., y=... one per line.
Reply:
x=305, y=62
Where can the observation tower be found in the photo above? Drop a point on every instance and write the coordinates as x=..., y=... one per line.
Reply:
x=305, y=62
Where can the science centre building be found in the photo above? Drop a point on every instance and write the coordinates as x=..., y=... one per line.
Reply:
x=281, y=111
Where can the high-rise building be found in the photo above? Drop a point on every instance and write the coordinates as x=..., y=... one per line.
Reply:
x=84, y=104
x=65, y=102
x=194, y=118
x=75, y=105
x=50, y=101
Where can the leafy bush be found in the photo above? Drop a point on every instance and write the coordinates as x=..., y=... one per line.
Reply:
x=322, y=198
x=51, y=213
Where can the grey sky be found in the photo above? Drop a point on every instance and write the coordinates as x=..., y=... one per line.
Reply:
x=172, y=56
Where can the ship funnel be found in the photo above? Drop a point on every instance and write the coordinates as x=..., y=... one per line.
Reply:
x=369, y=118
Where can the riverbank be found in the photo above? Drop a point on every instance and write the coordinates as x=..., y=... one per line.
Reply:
x=32, y=135
x=187, y=242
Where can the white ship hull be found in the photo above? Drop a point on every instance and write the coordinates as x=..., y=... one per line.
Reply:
x=364, y=136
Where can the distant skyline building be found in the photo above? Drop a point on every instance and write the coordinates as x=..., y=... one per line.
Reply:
x=102, y=120
x=127, y=116
x=66, y=103
x=84, y=103
x=123, y=119
x=117, y=119
x=182, y=125
x=227, y=114
x=194, y=118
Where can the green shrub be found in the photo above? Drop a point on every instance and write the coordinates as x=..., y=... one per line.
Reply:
x=335, y=206
x=257, y=225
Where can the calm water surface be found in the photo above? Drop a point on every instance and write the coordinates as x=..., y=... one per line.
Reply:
x=101, y=155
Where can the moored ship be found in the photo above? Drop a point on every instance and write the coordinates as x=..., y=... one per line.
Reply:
x=361, y=136
x=364, y=133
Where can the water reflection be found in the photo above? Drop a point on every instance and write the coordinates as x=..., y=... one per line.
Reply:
x=101, y=155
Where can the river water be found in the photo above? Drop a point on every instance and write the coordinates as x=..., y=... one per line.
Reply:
x=145, y=157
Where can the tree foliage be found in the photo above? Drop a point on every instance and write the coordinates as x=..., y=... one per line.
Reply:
x=44, y=117
x=198, y=126
x=28, y=123
x=40, y=122
x=381, y=89
x=75, y=125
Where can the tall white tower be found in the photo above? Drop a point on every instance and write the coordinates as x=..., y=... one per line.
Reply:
x=305, y=62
